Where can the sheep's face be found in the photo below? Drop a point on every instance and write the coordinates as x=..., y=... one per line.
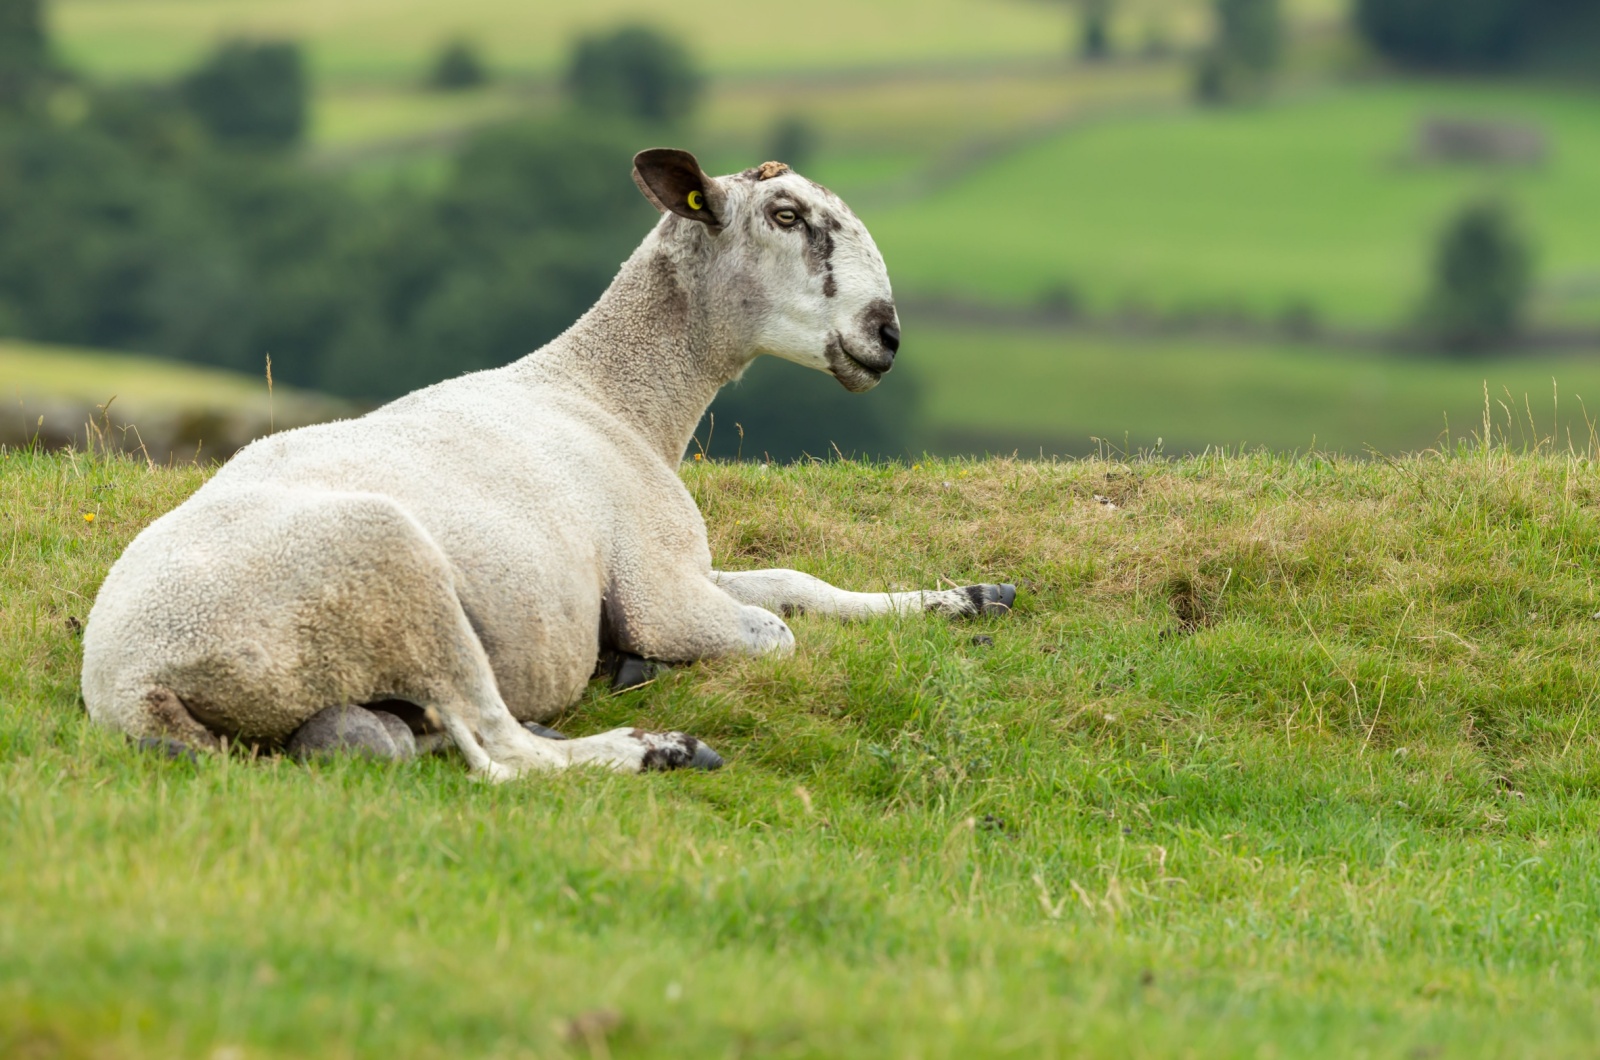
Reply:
x=803, y=266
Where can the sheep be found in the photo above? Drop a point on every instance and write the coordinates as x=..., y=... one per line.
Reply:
x=459, y=558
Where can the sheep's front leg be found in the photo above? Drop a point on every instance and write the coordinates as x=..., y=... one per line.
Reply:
x=790, y=592
x=680, y=616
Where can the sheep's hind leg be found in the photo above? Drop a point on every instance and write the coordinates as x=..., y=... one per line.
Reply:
x=499, y=748
x=791, y=592
x=409, y=636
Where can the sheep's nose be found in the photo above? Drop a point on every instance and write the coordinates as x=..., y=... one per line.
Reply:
x=891, y=338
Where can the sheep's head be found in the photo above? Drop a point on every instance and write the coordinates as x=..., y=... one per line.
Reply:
x=807, y=274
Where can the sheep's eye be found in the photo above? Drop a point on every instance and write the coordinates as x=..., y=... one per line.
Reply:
x=787, y=218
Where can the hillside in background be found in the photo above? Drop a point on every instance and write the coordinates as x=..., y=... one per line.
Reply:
x=378, y=39
x=52, y=396
x=1084, y=254
x=1321, y=202
x=1275, y=757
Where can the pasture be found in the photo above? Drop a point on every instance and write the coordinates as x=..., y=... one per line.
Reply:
x=51, y=392
x=383, y=39
x=1278, y=756
x=1308, y=201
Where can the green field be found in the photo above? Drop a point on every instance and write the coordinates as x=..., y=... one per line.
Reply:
x=50, y=392
x=923, y=78
x=1302, y=201
x=1023, y=390
x=1278, y=757
x=392, y=39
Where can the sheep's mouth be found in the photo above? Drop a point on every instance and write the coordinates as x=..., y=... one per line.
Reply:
x=853, y=373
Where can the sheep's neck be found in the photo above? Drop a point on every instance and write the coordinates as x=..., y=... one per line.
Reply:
x=651, y=350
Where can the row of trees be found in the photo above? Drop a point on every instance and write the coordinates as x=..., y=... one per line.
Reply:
x=1247, y=44
x=176, y=220
x=1481, y=34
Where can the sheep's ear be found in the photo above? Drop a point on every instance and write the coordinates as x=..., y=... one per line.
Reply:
x=673, y=180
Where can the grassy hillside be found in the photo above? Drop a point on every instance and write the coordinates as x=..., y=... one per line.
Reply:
x=1023, y=389
x=1302, y=201
x=1276, y=757
x=387, y=39
x=175, y=409
x=868, y=74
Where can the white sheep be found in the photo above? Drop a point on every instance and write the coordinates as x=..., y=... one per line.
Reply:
x=472, y=548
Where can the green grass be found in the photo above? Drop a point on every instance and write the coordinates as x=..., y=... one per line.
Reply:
x=1289, y=757
x=1254, y=208
x=1021, y=389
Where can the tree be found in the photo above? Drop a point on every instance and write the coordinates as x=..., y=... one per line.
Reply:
x=103, y=249
x=1245, y=53
x=251, y=94
x=1482, y=277
x=793, y=140
x=1478, y=34
x=636, y=72
x=457, y=66
x=24, y=53
x=1095, y=42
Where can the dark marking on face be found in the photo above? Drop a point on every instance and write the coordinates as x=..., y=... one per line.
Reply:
x=819, y=251
x=878, y=313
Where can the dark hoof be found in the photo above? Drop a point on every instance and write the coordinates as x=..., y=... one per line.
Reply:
x=541, y=730
x=632, y=671
x=347, y=731
x=168, y=748
x=674, y=750
x=991, y=599
x=983, y=640
x=705, y=758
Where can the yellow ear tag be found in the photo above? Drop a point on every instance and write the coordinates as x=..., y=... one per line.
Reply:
x=696, y=200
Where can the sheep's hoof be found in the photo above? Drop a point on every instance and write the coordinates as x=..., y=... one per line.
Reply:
x=542, y=730
x=674, y=750
x=705, y=757
x=631, y=671
x=167, y=748
x=352, y=730
x=991, y=599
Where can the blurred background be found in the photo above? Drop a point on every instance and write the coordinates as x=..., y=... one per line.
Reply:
x=1134, y=225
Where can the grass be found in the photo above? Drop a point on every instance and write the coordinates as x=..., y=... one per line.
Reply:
x=1278, y=756
x=1299, y=202
x=1023, y=389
